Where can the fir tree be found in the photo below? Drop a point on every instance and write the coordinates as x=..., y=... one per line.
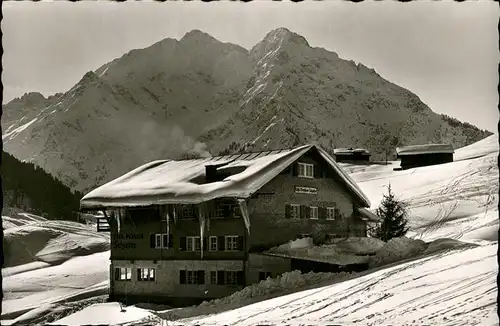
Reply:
x=393, y=215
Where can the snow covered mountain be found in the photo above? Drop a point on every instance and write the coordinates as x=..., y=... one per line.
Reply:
x=198, y=96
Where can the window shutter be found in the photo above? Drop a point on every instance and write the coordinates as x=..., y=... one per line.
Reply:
x=170, y=241
x=201, y=277
x=165, y=241
x=288, y=211
x=337, y=213
x=225, y=211
x=295, y=169
x=182, y=277
x=220, y=277
x=240, y=276
x=304, y=211
x=183, y=244
x=322, y=213
x=221, y=243
x=205, y=243
x=241, y=242
x=262, y=276
x=152, y=241
x=138, y=274
x=316, y=171
x=117, y=274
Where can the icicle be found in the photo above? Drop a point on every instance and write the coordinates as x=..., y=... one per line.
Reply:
x=115, y=214
x=123, y=213
x=244, y=213
x=201, y=214
x=165, y=215
x=168, y=224
x=174, y=208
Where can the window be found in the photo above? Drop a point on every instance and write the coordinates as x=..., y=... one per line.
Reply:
x=161, y=240
x=192, y=277
x=213, y=277
x=213, y=245
x=187, y=211
x=306, y=170
x=227, y=277
x=313, y=212
x=264, y=275
x=193, y=243
x=219, y=211
x=146, y=274
x=123, y=274
x=232, y=242
x=236, y=211
x=294, y=211
x=231, y=278
x=330, y=213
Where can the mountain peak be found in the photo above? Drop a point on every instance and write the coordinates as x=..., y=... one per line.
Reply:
x=197, y=36
x=282, y=34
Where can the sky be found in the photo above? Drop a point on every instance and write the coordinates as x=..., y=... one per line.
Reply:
x=445, y=52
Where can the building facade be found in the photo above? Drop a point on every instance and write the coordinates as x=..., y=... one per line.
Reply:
x=184, y=253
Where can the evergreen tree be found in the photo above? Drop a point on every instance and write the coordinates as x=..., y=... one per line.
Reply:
x=394, y=218
x=30, y=188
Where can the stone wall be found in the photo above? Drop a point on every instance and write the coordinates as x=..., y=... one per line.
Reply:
x=262, y=263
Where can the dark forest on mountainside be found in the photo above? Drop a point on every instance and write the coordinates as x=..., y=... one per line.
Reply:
x=30, y=188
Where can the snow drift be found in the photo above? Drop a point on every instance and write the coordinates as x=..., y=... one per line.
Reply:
x=52, y=242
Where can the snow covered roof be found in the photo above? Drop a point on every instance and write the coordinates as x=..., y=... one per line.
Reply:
x=168, y=182
x=425, y=149
x=339, y=259
x=350, y=151
x=368, y=215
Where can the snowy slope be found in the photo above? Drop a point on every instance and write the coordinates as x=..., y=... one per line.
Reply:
x=108, y=313
x=52, y=242
x=454, y=200
x=76, y=279
x=51, y=261
x=21, y=218
x=457, y=288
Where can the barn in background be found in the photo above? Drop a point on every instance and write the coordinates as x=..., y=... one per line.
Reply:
x=424, y=155
x=351, y=155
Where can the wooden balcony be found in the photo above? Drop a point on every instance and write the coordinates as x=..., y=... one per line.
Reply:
x=103, y=225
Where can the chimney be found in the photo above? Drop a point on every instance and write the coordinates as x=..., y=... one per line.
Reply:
x=210, y=173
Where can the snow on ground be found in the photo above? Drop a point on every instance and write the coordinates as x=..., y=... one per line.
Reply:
x=51, y=242
x=109, y=313
x=342, y=252
x=76, y=279
x=51, y=261
x=453, y=200
x=11, y=134
x=16, y=217
x=457, y=288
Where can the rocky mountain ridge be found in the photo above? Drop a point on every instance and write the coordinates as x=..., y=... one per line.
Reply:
x=199, y=96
